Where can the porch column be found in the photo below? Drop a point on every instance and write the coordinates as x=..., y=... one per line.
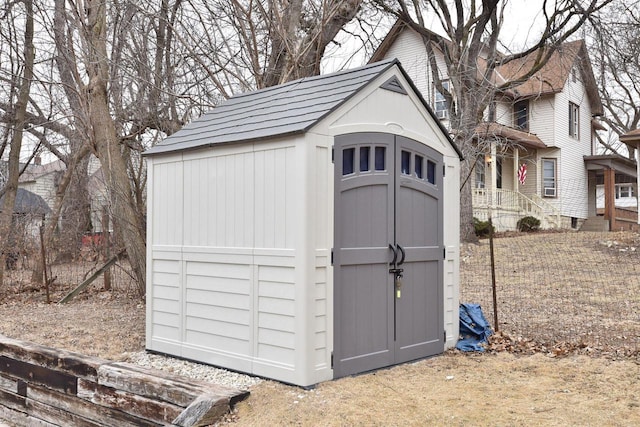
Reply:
x=516, y=166
x=494, y=179
x=610, y=197
x=637, y=180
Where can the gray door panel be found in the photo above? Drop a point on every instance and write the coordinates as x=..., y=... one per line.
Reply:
x=419, y=318
x=386, y=200
x=364, y=213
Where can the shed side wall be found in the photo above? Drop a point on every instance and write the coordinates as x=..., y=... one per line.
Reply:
x=230, y=285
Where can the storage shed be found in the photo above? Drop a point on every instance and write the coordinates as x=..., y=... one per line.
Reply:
x=306, y=231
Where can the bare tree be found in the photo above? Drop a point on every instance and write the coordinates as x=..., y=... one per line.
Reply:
x=615, y=49
x=261, y=43
x=17, y=125
x=472, y=52
x=112, y=78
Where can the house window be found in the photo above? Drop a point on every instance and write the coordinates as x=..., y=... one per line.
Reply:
x=480, y=173
x=624, y=191
x=441, y=110
x=521, y=115
x=574, y=120
x=549, y=181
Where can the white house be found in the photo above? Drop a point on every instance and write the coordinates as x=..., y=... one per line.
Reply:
x=546, y=126
x=306, y=231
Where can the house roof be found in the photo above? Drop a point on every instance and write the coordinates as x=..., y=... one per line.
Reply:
x=631, y=137
x=286, y=109
x=27, y=203
x=552, y=77
x=611, y=161
x=548, y=80
x=526, y=139
x=33, y=172
x=398, y=27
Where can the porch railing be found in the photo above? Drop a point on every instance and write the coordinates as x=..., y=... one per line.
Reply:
x=516, y=202
x=549, y=210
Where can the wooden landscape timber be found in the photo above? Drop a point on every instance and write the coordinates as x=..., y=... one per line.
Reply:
x=49, y=387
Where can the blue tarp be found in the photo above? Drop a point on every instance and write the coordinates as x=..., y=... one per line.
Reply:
x=474, y=328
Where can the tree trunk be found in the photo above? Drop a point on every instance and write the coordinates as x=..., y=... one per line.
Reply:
x=107, y=145
x=16, y=142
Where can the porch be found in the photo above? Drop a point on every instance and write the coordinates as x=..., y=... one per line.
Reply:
x=507, y=177
x=613, y=191
x=506, y=207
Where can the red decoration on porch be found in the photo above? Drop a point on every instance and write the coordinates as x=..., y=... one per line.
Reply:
x=522, y=173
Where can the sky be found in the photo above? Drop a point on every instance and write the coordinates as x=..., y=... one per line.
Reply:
x=522, y=25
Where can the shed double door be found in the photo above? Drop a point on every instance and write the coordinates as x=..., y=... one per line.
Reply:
x=388, y=221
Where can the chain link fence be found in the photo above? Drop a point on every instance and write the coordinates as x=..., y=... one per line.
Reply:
x=69, y=263
x=560, y=291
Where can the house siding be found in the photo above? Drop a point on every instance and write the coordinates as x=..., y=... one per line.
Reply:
x=572, y=174
x=409, y=50
x=504, y=113
x=543, y=121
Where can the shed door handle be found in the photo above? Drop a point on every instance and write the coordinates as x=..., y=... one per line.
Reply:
x=395, y=254
x=403, y=254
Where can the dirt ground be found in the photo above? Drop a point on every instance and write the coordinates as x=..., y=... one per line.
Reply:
x=498, y=388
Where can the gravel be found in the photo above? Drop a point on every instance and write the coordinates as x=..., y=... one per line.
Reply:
x=193, y=370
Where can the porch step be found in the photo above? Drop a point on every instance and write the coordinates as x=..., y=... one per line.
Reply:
x=595, y=223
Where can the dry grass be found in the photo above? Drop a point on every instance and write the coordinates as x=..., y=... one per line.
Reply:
x=553, y=288
x=460, y=390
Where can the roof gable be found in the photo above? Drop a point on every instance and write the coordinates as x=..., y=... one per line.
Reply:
x=553, y=76
x=549, y=79
x=289, y=108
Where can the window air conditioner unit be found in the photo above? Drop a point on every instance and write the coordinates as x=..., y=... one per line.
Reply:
x=550, y=192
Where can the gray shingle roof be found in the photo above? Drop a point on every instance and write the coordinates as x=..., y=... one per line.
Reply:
x=28, y=203
x=289, y=108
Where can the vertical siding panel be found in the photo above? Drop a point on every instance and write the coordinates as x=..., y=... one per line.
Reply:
x=260, y=199
x=280, y=197
x=168, y=204
x=220, y=209
x=321, y=196
x=269, y=208
x=203, y=187
x=230, y=189
x=209, y=189
x=290, y=207
x=249, y=194
x=160, y=214
x=189, y=208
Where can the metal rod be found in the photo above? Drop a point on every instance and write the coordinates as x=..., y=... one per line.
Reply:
x=493, y=277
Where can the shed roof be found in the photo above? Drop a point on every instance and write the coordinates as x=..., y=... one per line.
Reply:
x=28, y=203
x=290, y=108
